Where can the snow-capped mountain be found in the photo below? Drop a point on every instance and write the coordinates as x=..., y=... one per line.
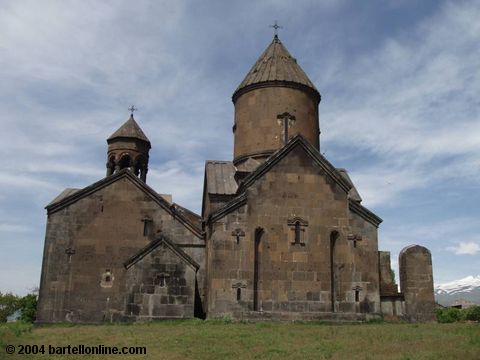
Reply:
x=464, y=289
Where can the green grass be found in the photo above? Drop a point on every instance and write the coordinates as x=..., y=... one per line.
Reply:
x=224, y=339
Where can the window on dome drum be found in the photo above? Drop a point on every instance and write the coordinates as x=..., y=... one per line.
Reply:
x=125, y=162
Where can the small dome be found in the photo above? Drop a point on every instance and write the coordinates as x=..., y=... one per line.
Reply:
x=278, y=66
x=128, y=147
x=130, y=129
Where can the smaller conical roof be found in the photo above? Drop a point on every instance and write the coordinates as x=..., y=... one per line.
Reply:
x=277, y=65
x=130, y=129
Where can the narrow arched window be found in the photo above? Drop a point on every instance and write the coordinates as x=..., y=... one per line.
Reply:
x=160, y=280
x=111, y=165
x=256, y=267
x=125, y=162
x=239, y=294
x=333, y=275
x=297, y=232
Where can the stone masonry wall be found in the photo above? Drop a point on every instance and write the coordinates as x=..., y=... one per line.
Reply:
x=292, y=277
x=159, y=286
x=416, y=281
x=102, y=231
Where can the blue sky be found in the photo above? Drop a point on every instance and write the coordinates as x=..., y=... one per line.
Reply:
x=400, y=107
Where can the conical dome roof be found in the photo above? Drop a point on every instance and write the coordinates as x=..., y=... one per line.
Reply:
x=275, y=65
x=130, y=129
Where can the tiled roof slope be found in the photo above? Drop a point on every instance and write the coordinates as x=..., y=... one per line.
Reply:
x=353, y=193
x=220, y=178
x=63, y=195
x=130, y=129
x=276, y=64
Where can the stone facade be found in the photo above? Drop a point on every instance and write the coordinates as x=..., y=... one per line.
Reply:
x=295, y=222
x=161, y=282
x=416, y=282
x=282, y=233
x=90, y=237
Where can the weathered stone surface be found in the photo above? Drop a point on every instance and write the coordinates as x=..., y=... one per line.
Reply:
x=105, y=228
x=387, y=282
x=283, y=234
x=258, y=133
x=416, y=281
x=293, y=276
x=167, y=279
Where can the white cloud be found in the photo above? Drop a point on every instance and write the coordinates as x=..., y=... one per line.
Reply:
x=465, y=248
x=410, y=104
x=379, y=185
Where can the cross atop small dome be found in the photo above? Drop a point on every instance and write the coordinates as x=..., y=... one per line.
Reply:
x=128, y=147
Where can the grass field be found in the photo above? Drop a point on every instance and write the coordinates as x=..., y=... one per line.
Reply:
x=195, y=339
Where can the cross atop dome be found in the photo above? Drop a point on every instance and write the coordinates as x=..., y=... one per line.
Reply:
x=275, y=27
x=132, y=109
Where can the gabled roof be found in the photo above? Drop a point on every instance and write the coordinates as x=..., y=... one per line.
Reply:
x=63, y=195
x=362, y=211
x=276, y=65
x=188, y=220
x=227, y=208
x=220, y=177
x=249, y=165
x=353, y=193
x=161, y=240
x=130, y=129
x=297, y=140
x=188, y=214
x=318, y=158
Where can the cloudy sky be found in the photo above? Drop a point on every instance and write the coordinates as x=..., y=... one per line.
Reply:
x=400, y=85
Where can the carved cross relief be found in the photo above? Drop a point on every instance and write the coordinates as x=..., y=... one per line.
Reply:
x=354, y=238
x=287, y=120
x=298, y=225
x=70, y=251
x=238, y=285
x=238, y=233
x=238, y=289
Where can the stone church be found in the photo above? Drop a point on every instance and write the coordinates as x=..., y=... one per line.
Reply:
x=282, y=233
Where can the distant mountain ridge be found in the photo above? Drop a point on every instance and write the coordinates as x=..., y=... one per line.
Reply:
x=467, y=288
